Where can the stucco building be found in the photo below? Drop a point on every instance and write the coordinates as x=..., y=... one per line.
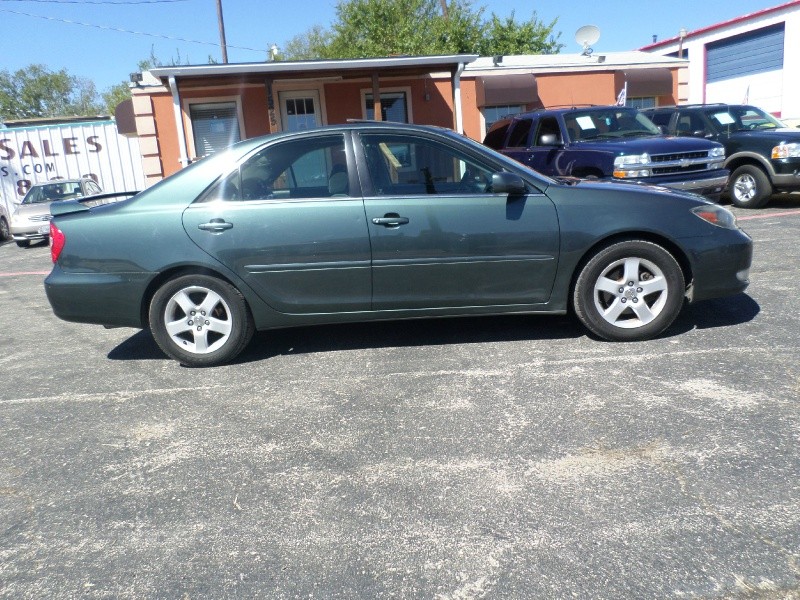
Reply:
x=184, y=112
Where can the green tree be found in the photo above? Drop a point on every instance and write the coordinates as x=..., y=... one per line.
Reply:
x=365, y=28
x=37, y=92
x=508, y=37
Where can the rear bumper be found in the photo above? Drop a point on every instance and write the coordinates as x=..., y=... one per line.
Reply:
x=111, y=299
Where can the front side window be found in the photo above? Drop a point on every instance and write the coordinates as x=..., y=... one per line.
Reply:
x=393, y=107
x=215, y=126
x=402, y=165
x=306, y=168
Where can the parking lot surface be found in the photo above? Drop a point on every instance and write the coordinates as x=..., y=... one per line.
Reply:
x=509, y=457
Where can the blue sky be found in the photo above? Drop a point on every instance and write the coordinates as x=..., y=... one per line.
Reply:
x=107, y=56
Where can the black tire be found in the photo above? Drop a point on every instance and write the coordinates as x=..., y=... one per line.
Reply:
x=5, y=233
x=629, y=291
x=23, y=243
x=224, y=331
x=749, y=187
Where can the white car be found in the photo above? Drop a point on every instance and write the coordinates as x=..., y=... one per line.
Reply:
x=30, y=222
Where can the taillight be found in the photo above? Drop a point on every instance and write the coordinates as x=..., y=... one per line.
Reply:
x=57, y=240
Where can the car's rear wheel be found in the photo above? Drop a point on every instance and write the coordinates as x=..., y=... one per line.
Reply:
x=5, y=233
x=629, y=291
x=749, y=187
x=200, y=321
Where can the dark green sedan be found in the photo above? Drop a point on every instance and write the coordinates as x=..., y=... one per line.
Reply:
x=375, y=221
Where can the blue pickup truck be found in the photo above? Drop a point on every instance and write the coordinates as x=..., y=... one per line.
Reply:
x=610, y=142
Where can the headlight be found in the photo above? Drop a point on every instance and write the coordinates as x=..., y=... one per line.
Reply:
x=786, y=151
x=717, y=152
x=716, y=215
x=630, y=166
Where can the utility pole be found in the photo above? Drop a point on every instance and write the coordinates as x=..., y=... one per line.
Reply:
x=223, y=46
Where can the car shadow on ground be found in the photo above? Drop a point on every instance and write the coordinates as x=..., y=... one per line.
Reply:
x=723, y=312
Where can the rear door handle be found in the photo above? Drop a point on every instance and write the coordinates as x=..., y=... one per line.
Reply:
x=215, y=225
x=390, y=220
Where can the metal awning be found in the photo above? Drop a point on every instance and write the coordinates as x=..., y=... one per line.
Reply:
x=349, y=68
x=499, y=90
x=648, y=82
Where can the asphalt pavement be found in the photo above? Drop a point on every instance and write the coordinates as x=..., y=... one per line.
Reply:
x=509, y=457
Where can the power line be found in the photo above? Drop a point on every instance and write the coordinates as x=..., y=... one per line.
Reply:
x=120, y=30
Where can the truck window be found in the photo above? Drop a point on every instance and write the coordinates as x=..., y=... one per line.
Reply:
x=496, y=136
x=660, y=119
x=548, y=132
x=519, y=134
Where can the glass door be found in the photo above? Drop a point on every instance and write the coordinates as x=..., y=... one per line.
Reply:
x=300, y=110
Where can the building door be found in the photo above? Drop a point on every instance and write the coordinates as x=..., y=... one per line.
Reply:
x=300, y=110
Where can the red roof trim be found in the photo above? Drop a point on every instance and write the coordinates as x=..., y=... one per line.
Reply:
x=734, y=21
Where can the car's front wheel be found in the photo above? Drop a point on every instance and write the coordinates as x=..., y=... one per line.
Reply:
x=749, y=187
x=200, y=321
x=23, y=243
x=5, y=233
x=629, y=291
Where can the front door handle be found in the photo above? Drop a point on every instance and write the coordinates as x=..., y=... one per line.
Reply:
x=215, y=225
x=390, y=220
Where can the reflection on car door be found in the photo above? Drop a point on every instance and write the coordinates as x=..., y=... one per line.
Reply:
x=290, y=224
x=441, y=238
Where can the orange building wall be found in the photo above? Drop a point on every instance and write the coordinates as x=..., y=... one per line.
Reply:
x=166, y=133
x=566, y=89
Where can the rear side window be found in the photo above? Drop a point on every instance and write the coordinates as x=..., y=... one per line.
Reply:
x=520, y=133
x=496, y=136
x=661, y=119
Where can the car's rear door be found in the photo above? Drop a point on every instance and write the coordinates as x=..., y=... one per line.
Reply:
x=441, y=238
x=290, y=222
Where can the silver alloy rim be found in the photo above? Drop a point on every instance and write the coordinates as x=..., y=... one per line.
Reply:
x=745, y=188
x=198, y=320
x=630, y=293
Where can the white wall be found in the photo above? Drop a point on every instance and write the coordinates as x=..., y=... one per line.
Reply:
x=35, y=154
x=775, y=92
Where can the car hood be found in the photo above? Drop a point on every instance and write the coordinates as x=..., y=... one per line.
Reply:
x=628, y=187
x=649, y=144
x=27, y=211
x=774, y=136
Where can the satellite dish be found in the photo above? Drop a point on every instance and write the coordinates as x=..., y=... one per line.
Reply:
x=586, y=36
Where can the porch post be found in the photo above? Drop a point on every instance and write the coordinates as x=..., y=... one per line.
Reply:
x=180, y=130
x=458, y=119
x=376, y=98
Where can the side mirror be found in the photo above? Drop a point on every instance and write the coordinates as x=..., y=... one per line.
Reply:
x=508, y=183
x=548, y=139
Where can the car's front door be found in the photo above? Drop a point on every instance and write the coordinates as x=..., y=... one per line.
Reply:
x=440, y=237
x=290, y=222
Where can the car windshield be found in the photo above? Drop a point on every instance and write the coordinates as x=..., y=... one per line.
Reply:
x=612, y=122
x=743, y=118
x=50, y=192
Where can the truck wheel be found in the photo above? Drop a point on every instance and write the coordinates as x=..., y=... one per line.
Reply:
x=629, y=291
x=749, y=187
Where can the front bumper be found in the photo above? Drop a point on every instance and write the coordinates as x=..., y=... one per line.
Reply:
x=711, y=187
x=720, y=270
x=31, y=232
